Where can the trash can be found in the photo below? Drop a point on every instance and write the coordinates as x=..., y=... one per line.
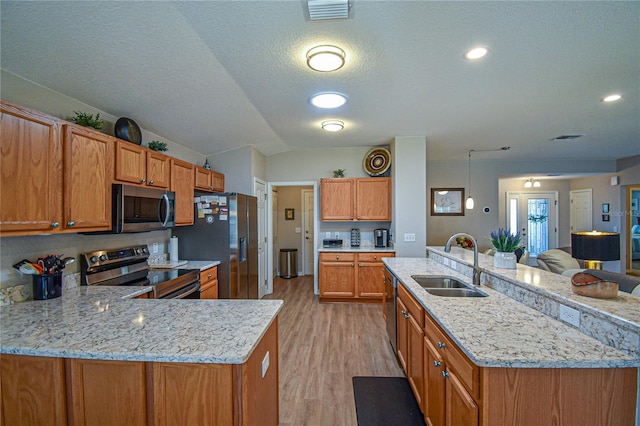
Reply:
x=288, y=263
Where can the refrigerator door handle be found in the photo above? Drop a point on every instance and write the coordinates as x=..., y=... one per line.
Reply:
x=243, y=249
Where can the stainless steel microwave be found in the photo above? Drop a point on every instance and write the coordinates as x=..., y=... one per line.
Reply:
x=140, y=209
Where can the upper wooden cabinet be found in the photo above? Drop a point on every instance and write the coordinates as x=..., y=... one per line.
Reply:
x=139, y=165
x=363, y=199
x=208, y=180
x=37, y=151
x=182, y=183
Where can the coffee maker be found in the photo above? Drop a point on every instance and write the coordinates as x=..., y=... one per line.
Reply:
x=381, y=237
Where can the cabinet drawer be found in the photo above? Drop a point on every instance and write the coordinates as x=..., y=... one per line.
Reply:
x=337, y=257
x=467, y=372
x=209, y=275
x=414, y=308
x=373, y=257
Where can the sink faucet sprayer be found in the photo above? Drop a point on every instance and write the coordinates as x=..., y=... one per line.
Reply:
x=476, y=268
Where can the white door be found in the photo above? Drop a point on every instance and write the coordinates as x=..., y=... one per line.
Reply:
x=307, y=226
x=259, y=191
x=581, y=216
x=274, y=228
x=535, y=215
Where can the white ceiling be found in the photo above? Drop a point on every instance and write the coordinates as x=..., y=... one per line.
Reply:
x=216, y=75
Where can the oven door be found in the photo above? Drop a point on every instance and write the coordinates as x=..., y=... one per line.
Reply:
x=192, y=291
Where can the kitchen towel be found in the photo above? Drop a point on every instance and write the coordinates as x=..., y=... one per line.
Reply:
x=173, y=249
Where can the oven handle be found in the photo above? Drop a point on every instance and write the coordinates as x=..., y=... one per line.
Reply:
x=184, y=292
x=167, y=209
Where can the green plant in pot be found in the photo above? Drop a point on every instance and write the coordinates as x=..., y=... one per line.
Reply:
x=339, y=173
x=158, y=146
x=505, y=244
x=87, y=120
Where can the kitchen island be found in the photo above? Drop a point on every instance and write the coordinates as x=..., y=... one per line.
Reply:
x=498, y=361
x=99, y=353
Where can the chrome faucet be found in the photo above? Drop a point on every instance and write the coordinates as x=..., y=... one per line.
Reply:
x=476, y=268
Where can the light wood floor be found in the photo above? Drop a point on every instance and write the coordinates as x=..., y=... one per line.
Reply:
x=322, y=346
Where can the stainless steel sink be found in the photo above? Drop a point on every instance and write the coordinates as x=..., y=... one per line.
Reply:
x=455, y=292
x=430, y=281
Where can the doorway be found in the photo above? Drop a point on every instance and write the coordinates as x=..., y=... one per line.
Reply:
x=308, y=240
x=581, y=217
x=633, y=230
x=260, y=192
x=535, y=216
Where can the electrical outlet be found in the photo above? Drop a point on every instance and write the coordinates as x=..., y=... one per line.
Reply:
x=409, y=237
x=454, y=264
x=265, y=364
x=155, y=248
x=570, y=315
x=327, y=234
x=446, y=261
x=337, y=235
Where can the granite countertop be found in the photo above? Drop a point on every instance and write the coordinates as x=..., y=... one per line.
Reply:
x=497, y=331
x=106, y=323
x=199, y=264
x=363, y=249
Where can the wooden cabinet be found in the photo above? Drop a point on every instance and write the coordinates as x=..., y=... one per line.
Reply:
x=138, y=165
x=208, y=180
x=56, y=177
x=58, y=392
x=209, y=283
x=350, y=276
x=182, y=183
x=88, y=174
x=33, y=391
x=363, y=199
x=410, y=327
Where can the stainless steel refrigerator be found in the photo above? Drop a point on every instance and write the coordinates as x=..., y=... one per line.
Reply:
x=225, y=229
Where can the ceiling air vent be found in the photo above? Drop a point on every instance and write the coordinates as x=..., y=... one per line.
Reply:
x=566, y=137
x=328, y=9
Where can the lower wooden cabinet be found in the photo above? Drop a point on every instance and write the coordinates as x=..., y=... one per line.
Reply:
x=209, y=283
x=351, y=276
x=55, y=391
x=410, y=327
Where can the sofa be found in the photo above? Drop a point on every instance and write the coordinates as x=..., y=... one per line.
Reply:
x=561, y=262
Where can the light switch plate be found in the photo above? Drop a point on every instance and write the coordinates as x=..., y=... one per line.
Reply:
x=570, y=315
x=409, y=237
x=265, y=364
x=155, y=248
x=298, y=230
x=337, y=235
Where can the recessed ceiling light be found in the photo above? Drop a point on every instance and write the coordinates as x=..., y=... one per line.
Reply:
x=328, y=100
x=612, y=98
x=476, y=53
x=325, y=58
x=332, y=125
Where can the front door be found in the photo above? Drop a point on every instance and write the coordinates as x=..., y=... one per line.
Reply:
x=535, y=215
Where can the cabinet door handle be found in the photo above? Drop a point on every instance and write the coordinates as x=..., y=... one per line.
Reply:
x=55, y=224
x=71, y=223
x=337, y=257
x=143, y=180
x=441, y=345
x=375, y=257
x=151, y=182
x=209, y=276
x=436, y=363
x=445, y=374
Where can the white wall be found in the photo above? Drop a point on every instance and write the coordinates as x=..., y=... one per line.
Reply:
x=240, y=166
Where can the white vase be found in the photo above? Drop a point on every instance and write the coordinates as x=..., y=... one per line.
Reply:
x=505, y=260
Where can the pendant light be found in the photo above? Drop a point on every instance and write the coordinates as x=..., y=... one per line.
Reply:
x=469, y=203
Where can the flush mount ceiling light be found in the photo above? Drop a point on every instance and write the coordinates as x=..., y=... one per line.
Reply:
x=476, y=53
x=325, y=58
x=612, y=98
x=332, y=125
x=328, y=100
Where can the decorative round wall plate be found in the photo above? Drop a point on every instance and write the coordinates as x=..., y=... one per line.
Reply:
x=377, y=161
x=127, y=129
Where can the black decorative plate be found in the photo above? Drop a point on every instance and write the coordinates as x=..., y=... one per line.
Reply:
x=128, y=130
x=377, y=161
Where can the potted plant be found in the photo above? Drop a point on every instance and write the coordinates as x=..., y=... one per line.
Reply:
x=505, y=244
x=339, y=173
x=158, y=146
x=87, y=120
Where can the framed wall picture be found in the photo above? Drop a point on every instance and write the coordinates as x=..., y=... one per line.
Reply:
x=289, y=214
x=605, y=218
x=605, y=208
x=447, y=201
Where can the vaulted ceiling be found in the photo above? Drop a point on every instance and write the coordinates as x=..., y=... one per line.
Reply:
x=216, y=75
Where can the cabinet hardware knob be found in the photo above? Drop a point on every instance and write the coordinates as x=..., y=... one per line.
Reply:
x=351, y=217
x=55, y=224
x=338, y=257
x=143, y=180
x=445, y=374
x=403, y=312
x=436, y=363
x=353, y=264
x=209, y=276
x=151, y=182
x=359, y=264
x=407, y=316
x=375, y=257
x=71, y=223
x=441, y=345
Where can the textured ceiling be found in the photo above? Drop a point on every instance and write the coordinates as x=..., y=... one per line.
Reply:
x=216, y=75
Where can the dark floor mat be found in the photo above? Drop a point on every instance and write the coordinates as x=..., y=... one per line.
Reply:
x=385, y=401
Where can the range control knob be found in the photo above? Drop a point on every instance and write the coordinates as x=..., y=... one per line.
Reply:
x=103, y=257
x=93, y=259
